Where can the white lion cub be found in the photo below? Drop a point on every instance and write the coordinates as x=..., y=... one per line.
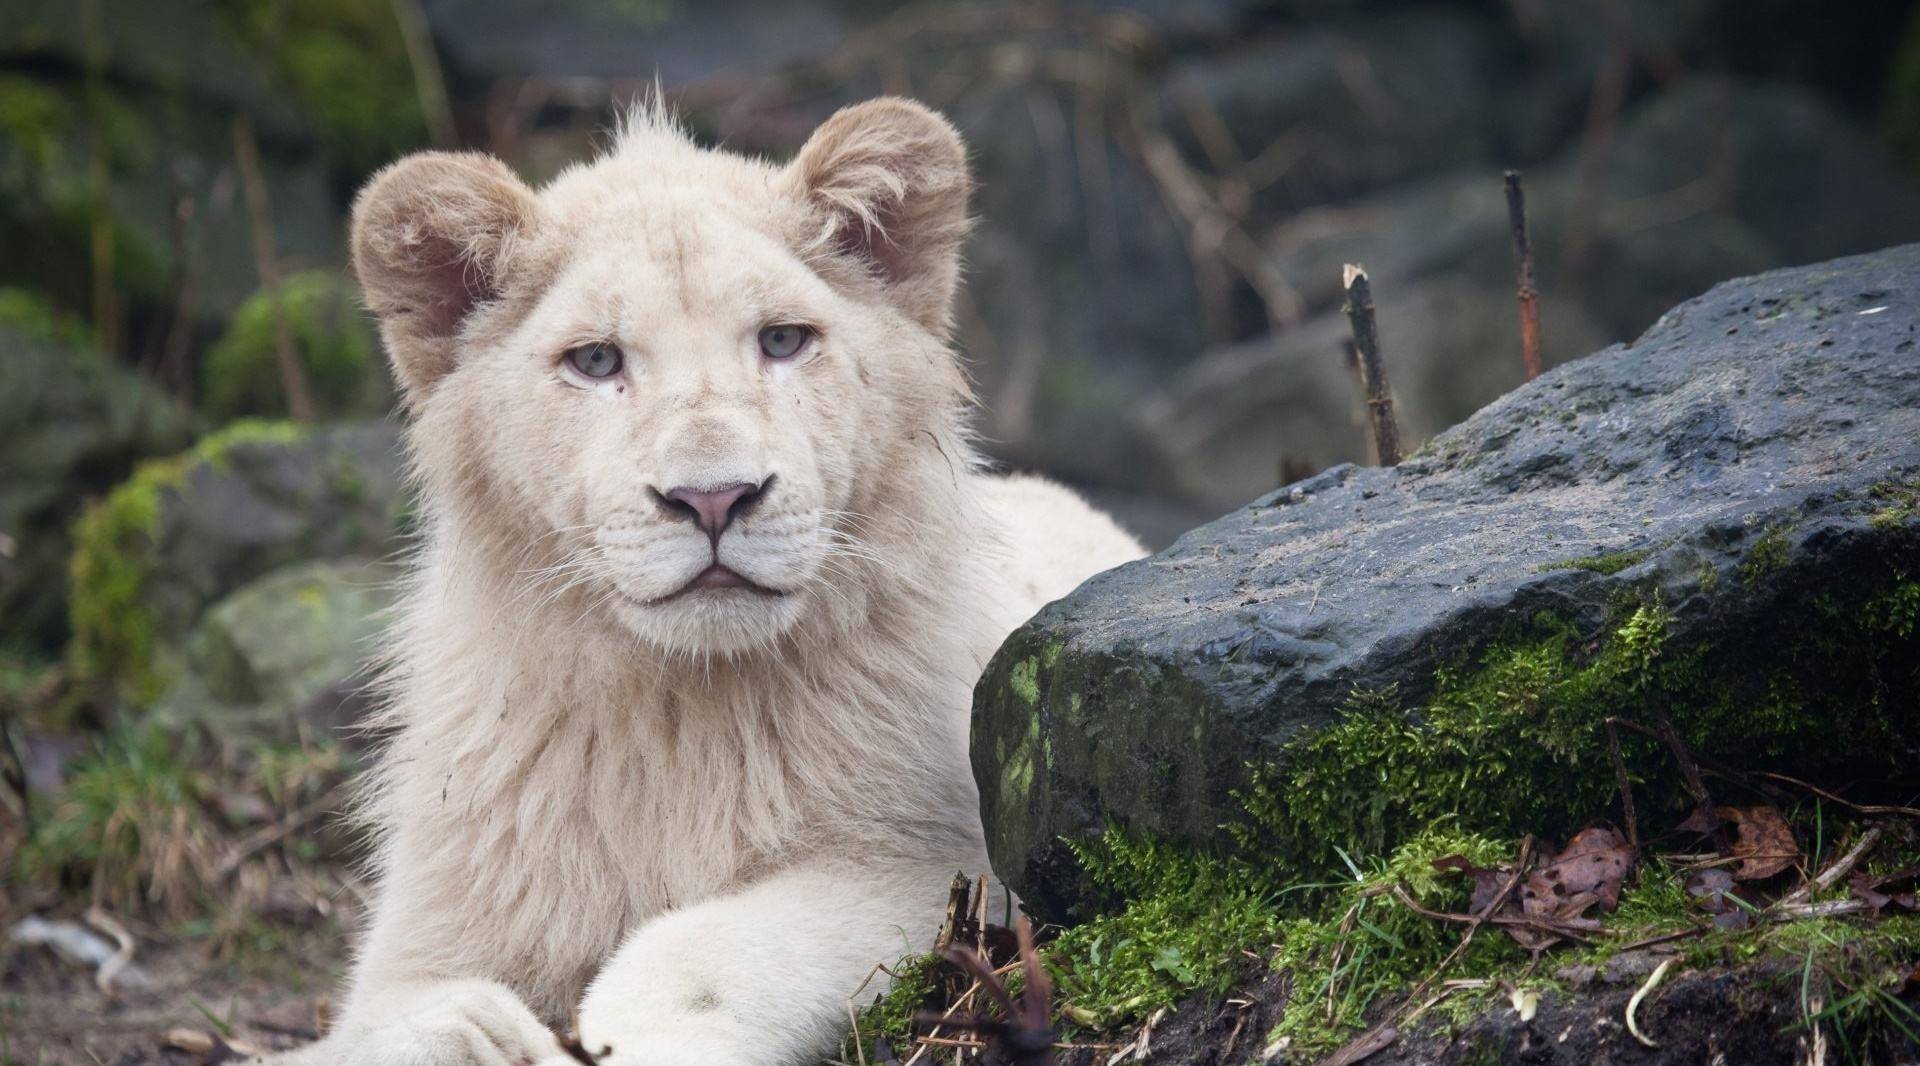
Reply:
x=679, y=700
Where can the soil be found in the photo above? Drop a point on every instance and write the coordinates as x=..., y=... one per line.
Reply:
x=1745, y=1015
x=52, y=1014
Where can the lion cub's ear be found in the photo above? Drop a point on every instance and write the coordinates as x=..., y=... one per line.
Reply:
x=433, y=237
x=891, y=178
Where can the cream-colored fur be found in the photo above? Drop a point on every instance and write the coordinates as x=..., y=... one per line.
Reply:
x=710, y=815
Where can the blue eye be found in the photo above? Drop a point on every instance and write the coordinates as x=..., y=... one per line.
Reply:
x=595, y=360
x=784, y=341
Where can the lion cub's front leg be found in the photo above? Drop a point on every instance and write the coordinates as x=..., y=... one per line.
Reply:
x=759, y=978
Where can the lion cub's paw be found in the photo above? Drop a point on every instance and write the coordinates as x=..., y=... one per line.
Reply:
x=470, y=1023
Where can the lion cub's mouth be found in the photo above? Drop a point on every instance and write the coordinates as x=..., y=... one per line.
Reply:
x=714, y=577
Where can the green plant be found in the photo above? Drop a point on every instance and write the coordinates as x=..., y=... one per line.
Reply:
x=331, y=337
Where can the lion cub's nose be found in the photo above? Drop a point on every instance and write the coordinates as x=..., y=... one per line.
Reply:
x=713, y=510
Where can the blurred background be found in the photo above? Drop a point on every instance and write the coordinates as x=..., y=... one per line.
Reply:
x=197, y=480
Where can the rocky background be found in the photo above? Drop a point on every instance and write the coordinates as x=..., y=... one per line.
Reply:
x=200, y=505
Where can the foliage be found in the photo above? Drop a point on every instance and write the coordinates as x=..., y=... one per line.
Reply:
x=1363, y=943
x=1179, y=924
x=131, y=824
x=331, y=337
x=1527, y=711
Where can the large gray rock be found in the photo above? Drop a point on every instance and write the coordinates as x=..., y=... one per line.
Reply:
x=285, y=652
x=72, y=424
x=186, y=532
x=1719, y=522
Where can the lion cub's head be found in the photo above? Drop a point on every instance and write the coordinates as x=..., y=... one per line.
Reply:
x=673, y=376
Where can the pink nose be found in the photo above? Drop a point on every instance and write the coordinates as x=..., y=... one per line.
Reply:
x=713, y=510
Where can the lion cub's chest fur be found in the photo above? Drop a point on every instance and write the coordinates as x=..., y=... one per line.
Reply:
x=569, y=816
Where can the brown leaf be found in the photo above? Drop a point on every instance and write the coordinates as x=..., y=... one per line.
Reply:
x=1487, y=882
x=1587, y=873
x=1763, y=842
x=1894, y=891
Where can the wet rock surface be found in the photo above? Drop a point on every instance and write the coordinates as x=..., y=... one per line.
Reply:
x=1754, y=451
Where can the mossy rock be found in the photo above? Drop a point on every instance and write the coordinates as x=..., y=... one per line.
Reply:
x=187, y=531
x=1713, y=524
x=332, y=337
x=72, y=424
x=285, y=650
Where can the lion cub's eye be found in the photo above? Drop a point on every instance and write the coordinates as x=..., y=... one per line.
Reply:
x=595, y=360
x=784, y=341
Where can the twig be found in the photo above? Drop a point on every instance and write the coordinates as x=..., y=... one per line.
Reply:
x=1626, y=785
x=1373, y=375
x=1831, y=875
x=1479, y=919
x=1523, y=263
x=1633, y=1005
x=293, y=376
x=1538, y=925
x=1858, y=808
x=267, y=836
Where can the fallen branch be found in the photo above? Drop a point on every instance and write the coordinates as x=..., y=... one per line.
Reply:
x=1523, y=265
x=1832, y=874
x=267, y=836
x=1373, y=375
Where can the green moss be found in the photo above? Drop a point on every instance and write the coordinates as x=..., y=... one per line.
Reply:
x=1899, y=503
x=890, y=1016
x=1497, y=730
x=332, y=337
x=1610, y=563
x=1769, y=555
x=1024, y=680
x=115, y=542
x=1176, y=923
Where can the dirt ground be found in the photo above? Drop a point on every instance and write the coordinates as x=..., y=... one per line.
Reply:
x=53, y=1014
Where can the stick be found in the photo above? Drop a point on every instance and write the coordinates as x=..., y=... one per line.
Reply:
x=293, y=377
x=1626, y=786
x=1506, y=889
x=1831, y=875
x=1858, y=808
x=1523, y=263
x=1373, y=375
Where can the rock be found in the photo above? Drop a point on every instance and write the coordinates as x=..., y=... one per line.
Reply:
x=1353, y=104
x=1719, y=522
x=285, y=651
x=185, y=532
x=72, y=424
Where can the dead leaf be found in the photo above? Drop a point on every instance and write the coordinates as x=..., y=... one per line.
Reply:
x=1487, y=881
x=1763, y=842
x=1589, y=872
x=1894, y=891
